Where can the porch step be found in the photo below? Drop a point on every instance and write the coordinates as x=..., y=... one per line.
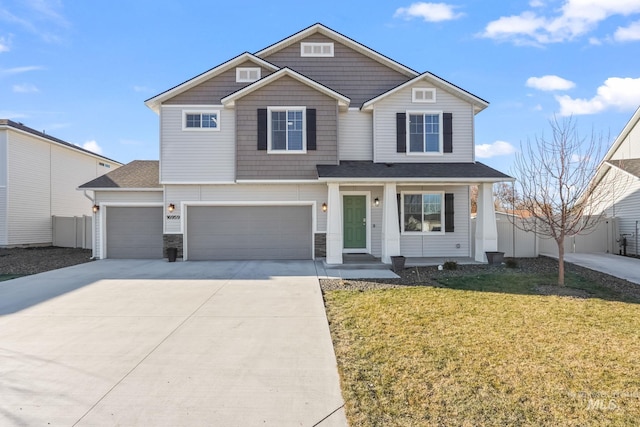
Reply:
x=358, y=262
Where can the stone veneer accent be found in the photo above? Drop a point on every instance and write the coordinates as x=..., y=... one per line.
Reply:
x=172, y=241
x=320, y=243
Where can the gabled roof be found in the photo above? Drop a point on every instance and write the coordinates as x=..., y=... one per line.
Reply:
x=139, y=175
x=478, y=103
x=5, y=123
x=328, y=32
x=154, y=102
x=635, y=119
x=368, y=171
x=229, y=101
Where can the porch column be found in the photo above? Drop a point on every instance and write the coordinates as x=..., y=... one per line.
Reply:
x=390, y=228
x=334, y=225
x=486, y=229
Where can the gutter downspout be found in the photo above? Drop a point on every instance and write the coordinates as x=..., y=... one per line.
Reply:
x=93, y=227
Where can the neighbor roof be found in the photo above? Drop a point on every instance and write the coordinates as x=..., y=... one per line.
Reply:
x=5, y=123
x=139, y=174
x=367, y=171
x=631, y=166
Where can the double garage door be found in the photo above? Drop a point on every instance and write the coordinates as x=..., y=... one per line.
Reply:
x=249, y=232
x=214, y=232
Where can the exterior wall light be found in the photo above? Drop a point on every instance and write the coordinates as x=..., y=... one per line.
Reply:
x=95, y=208
x=324, y=207
x=376, y=202
x=171, y=207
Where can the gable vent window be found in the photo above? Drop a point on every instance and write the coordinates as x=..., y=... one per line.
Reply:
x=423, y=95
x=106, y=165
x=247, y=74
x=316, y=49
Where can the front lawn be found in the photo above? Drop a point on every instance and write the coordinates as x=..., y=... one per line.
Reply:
x=486, y=349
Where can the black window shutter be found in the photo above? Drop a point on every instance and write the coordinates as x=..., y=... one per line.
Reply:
x=262, y=128
x=311, y=128
x=401, y=132
x=448, y=212
x=399, y=212
x=447, y=133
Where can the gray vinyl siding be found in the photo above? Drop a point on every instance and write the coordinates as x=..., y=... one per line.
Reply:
x=3, y=187
x=196, y=156
x=348, y=72
x=385, y=126
x=259, y=164
x=355, y=135
x=441, y=245
x=216, y=88
x=630, y=147
x=221, y=194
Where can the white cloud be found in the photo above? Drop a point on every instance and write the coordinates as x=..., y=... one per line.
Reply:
x=536, y=3
x=575, y=18
x=18, y=70
x=627, y=34
x=498, y=148
x=92, y=146
x=143, y=89
x=25, y=88
x=429, y=12
x=41, y=17
x=4, y=45
x=550, y=83
x=616, y=92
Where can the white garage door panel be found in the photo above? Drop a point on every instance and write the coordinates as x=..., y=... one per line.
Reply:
x=249, y=232
x=134, y=233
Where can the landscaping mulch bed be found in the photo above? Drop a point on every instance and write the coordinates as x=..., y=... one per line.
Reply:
x=429, y=276
x=24, y=261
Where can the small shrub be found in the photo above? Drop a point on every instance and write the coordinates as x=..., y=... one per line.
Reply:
x=450, y=265
x=511, y=263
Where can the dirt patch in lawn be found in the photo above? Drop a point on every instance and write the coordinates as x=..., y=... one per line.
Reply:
x=24, y=261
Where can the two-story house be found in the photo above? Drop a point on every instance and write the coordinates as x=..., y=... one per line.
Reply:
x=312, y=147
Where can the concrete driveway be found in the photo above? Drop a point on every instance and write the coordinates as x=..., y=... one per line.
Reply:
x=627, y=268
x=168, y=344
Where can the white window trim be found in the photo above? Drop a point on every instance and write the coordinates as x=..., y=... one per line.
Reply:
x=442, y=213
x=200, y=129
x=304, y=131
x=312, y=54
x=440, y=151
x=424, y=100
x=248, y=70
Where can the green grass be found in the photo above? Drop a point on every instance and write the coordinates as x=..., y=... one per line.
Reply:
x=456, y=356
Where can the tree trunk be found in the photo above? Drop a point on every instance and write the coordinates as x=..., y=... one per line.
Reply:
x=560, y=262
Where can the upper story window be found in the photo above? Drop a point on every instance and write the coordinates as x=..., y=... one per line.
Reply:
x=423, y=95
x=423, y=212
x=207, y=120
x=286, y=130
x=105, y=165
x=425, y=132
x=247, y=74
x=316, y=49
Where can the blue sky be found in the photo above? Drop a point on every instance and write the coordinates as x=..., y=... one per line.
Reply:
x=81, y=70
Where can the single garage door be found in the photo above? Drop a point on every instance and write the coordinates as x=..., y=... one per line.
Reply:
x=134, y=232
x=249, y=232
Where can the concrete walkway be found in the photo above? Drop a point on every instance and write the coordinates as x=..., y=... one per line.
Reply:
x=151, y=343
x=615, y=265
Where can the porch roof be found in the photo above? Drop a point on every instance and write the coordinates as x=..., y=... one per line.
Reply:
x=139, y=174
x=368, y=171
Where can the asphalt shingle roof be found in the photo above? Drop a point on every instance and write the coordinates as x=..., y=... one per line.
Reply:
x=137, y=174
x=630, y=165
x=366, y=169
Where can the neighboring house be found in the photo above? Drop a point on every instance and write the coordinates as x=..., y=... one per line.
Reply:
x=312, y=147
x=39, y=175
x=619, y=173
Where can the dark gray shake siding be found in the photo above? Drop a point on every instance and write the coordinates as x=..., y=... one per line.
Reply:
x=348, y=72
x=286, y=91
x=216, y=88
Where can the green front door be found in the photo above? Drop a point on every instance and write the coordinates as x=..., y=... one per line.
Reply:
x=355, y=222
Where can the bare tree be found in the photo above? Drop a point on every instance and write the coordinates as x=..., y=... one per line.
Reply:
x=556, y=185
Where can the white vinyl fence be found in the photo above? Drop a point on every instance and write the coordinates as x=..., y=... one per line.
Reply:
x=527, y=244
x=72, y=232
